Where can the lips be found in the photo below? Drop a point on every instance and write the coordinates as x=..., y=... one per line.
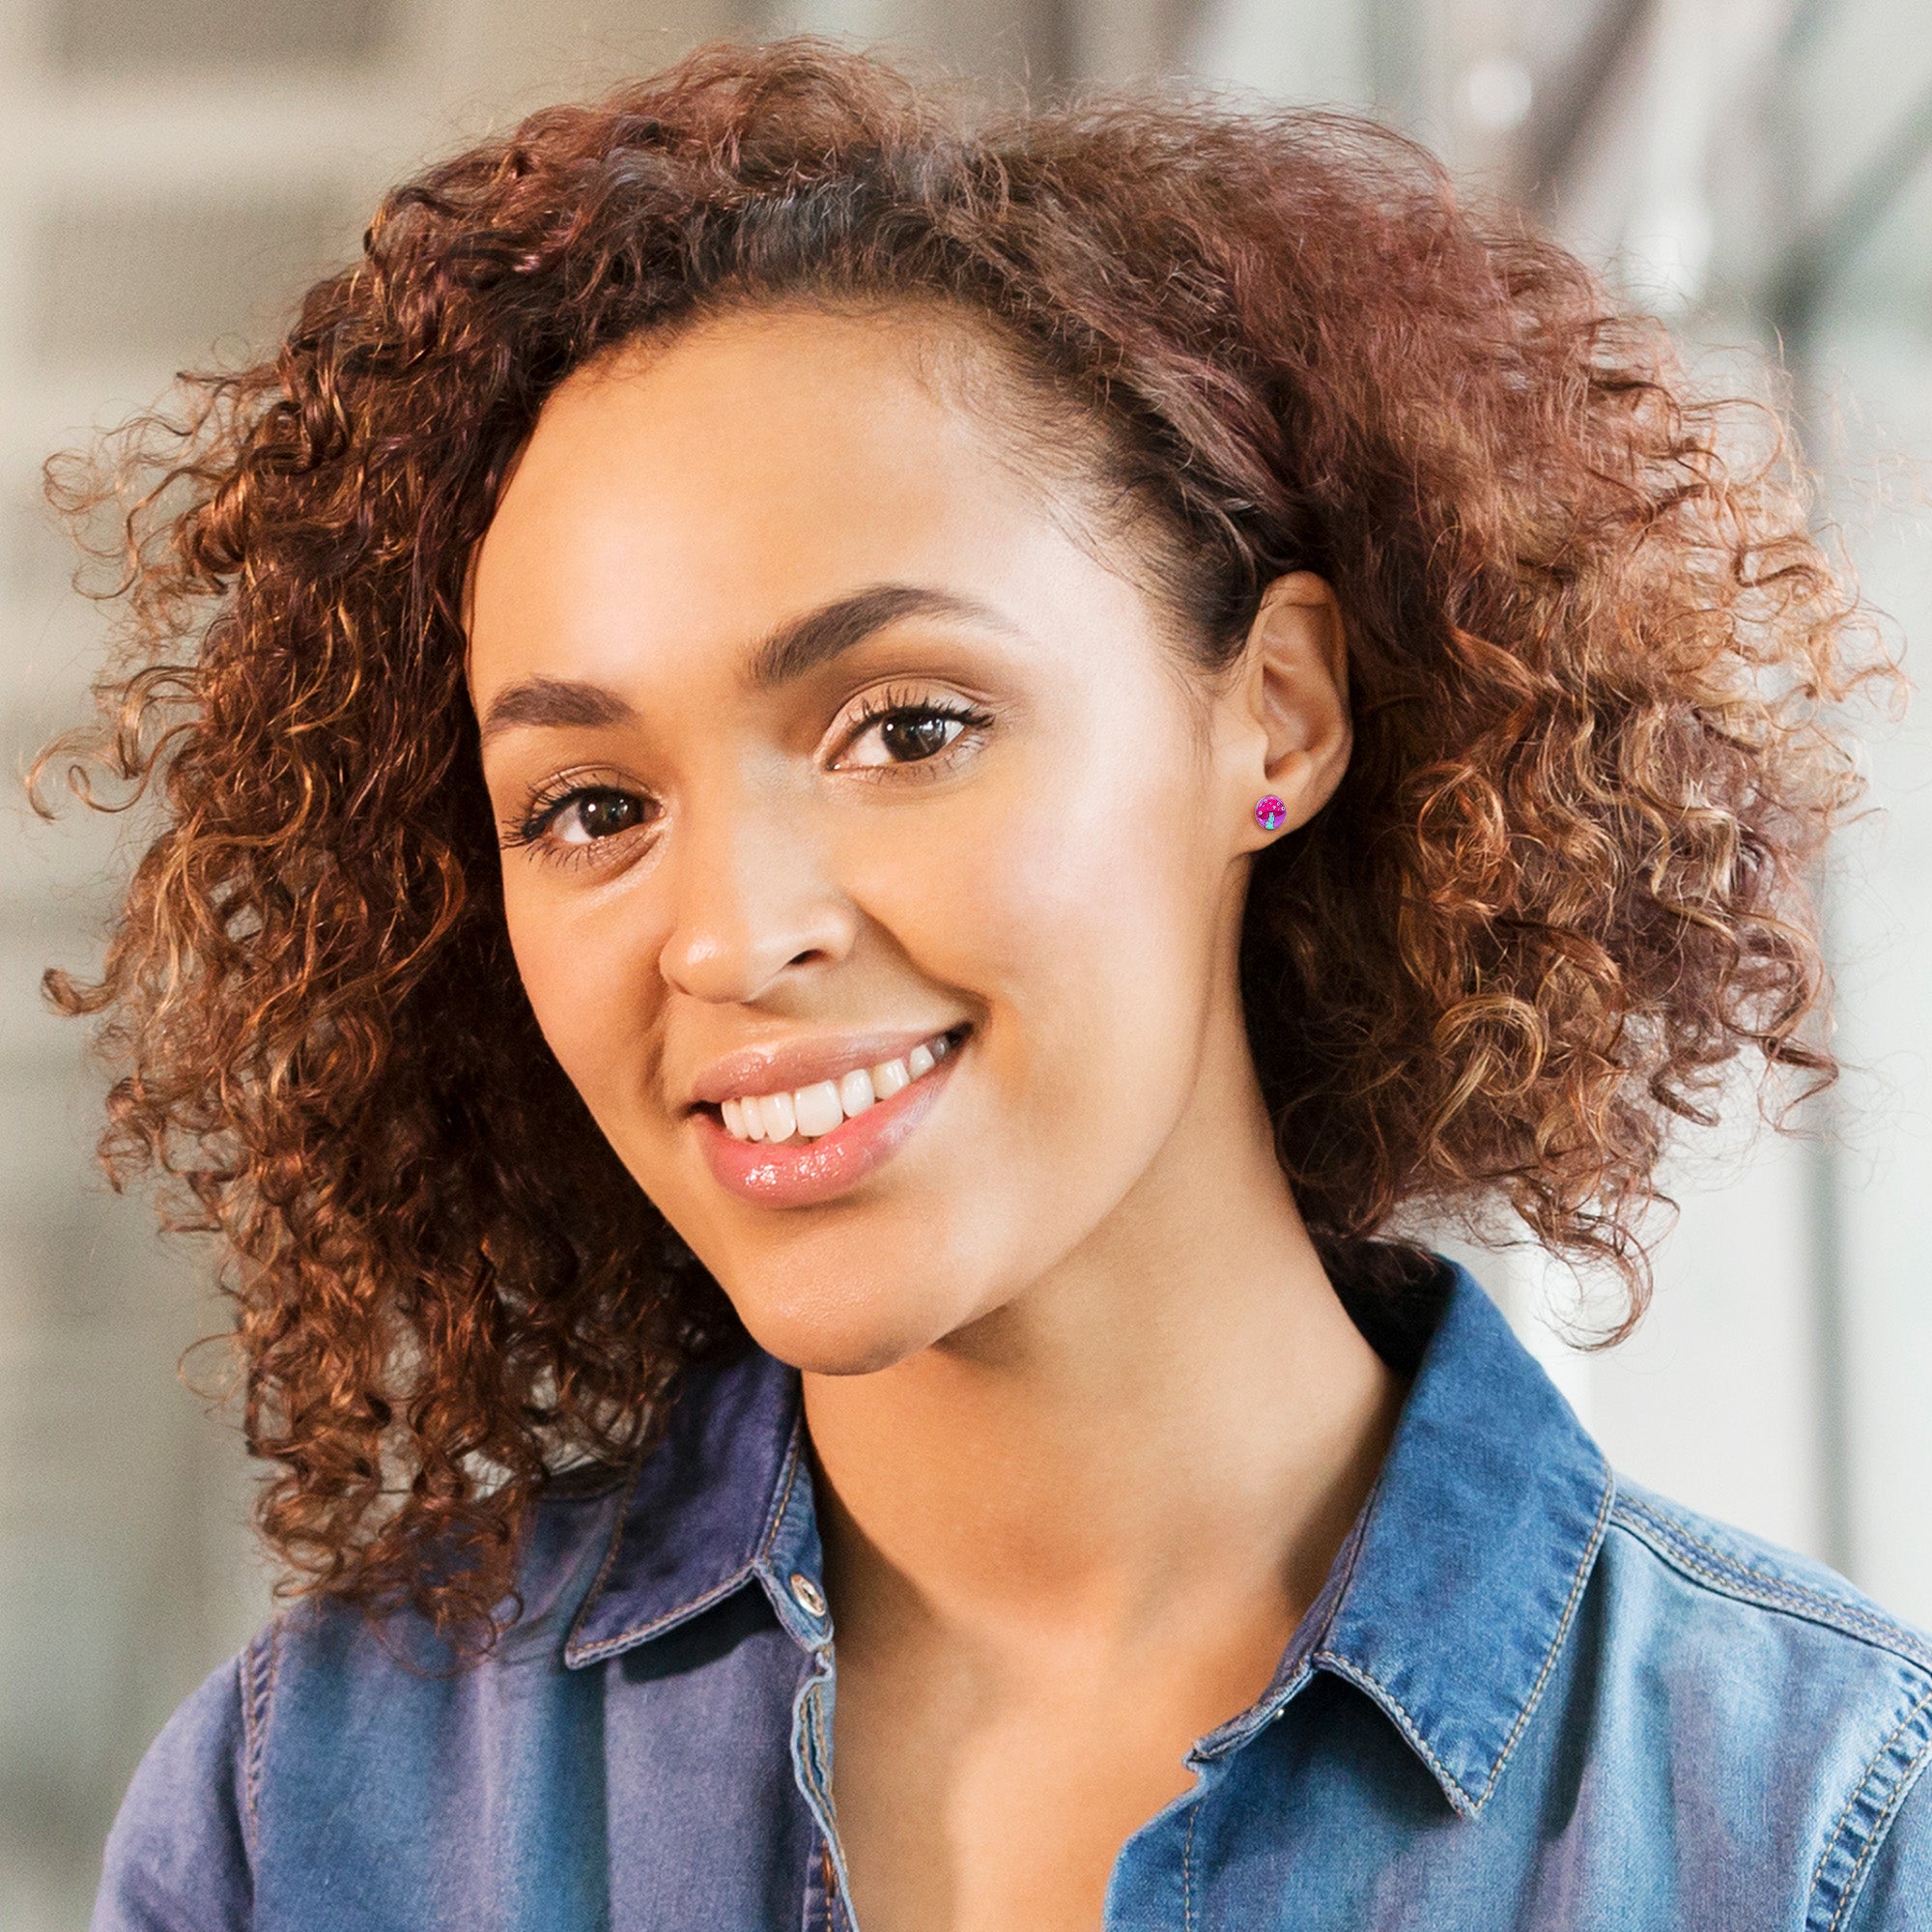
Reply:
x=802, y=1173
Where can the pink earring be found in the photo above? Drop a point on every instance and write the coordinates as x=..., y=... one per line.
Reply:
x=1269, y=811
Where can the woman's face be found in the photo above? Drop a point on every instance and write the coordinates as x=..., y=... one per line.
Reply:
x=837, y=775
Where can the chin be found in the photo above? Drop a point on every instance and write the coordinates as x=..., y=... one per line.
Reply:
x=842, y=1326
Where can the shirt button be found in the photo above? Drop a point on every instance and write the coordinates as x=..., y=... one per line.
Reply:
x=806, y=1594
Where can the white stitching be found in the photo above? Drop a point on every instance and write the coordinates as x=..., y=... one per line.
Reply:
x=250, y=1811
x=1864, y=1779
x=1366, y=1680
x=1576, y=1583
x=1187, y=1869
x=1854, y=1883
x=603, y=1575
x=639, y=1633
x=1372, y=1683
x=1876, y=1837
x=259, y=1689
x=793, y=1459
x=1773, y=1593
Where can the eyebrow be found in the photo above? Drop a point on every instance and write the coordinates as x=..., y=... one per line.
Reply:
x=555, y=701
x=797, y=647
x=801, y=644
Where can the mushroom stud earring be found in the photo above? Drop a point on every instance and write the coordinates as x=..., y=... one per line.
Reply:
x=1269, y=811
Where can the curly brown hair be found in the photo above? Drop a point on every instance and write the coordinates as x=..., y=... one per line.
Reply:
x=1595, y=664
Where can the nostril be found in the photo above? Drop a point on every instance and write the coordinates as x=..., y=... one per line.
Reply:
x=748, y=900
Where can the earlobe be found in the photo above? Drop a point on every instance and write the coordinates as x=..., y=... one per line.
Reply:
x=1298, y=645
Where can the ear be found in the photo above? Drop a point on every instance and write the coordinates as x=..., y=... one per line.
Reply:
x=1295, y=687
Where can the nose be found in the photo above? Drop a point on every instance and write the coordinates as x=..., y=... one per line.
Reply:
x=755, y=901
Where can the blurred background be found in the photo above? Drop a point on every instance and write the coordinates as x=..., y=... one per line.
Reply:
x=171, y=171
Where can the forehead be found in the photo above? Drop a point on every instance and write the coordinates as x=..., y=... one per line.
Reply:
x=754, y=467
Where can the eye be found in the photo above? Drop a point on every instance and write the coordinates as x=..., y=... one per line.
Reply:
x=907, y=736
x=895, y=732
x=570, y=820
x=586, y=816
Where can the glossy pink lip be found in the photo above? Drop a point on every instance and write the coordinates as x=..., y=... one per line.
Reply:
x=801, y=1063
x=814, y=1171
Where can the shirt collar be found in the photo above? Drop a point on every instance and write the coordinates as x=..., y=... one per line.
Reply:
x=1451, y=1600
x=1447, y=1605
x=722, y=1501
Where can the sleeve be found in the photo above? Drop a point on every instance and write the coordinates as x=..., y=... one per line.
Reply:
x=178, y=1858
x=1896, y=1894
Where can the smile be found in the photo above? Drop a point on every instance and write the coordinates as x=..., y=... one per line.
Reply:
x=819, y=1141
x=809, y=1112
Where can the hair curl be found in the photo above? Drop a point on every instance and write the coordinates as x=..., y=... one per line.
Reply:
x=1594, y=666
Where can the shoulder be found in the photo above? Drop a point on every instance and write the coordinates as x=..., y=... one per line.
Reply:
x=342, y=1699
x=566, y=1544
x=1695, y=1584
x=179, y=1856
x=322, y=1697
x=1713, y=1562
x=1779, y=1668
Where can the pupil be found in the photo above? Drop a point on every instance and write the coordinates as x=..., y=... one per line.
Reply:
x=914, y=734
x=604, y=812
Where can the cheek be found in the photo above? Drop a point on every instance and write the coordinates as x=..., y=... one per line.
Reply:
x=587, y=972
x=1079, y=908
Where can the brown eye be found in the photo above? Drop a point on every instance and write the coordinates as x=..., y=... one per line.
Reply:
x=903, y=727
x=910, y=735
x=905, y=735
x=593, y=816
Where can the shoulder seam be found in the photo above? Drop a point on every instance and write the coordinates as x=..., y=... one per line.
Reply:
x=1843, y=1894
x=1704, y=1563
x=257, y=1667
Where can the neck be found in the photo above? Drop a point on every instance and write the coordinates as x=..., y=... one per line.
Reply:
x=1179, y=1408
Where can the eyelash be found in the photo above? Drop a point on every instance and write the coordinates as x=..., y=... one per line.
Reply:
x=547, y=805
x=901, y=703
x=549, y=801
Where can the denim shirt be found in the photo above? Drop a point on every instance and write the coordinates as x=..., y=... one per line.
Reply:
x=1530, y=1696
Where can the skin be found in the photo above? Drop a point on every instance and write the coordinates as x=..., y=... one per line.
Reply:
x=1088, y=1421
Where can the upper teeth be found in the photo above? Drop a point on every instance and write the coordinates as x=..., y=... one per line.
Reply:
x=806, y=1112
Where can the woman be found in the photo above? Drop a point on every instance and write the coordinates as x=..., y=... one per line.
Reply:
x=854, y=805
